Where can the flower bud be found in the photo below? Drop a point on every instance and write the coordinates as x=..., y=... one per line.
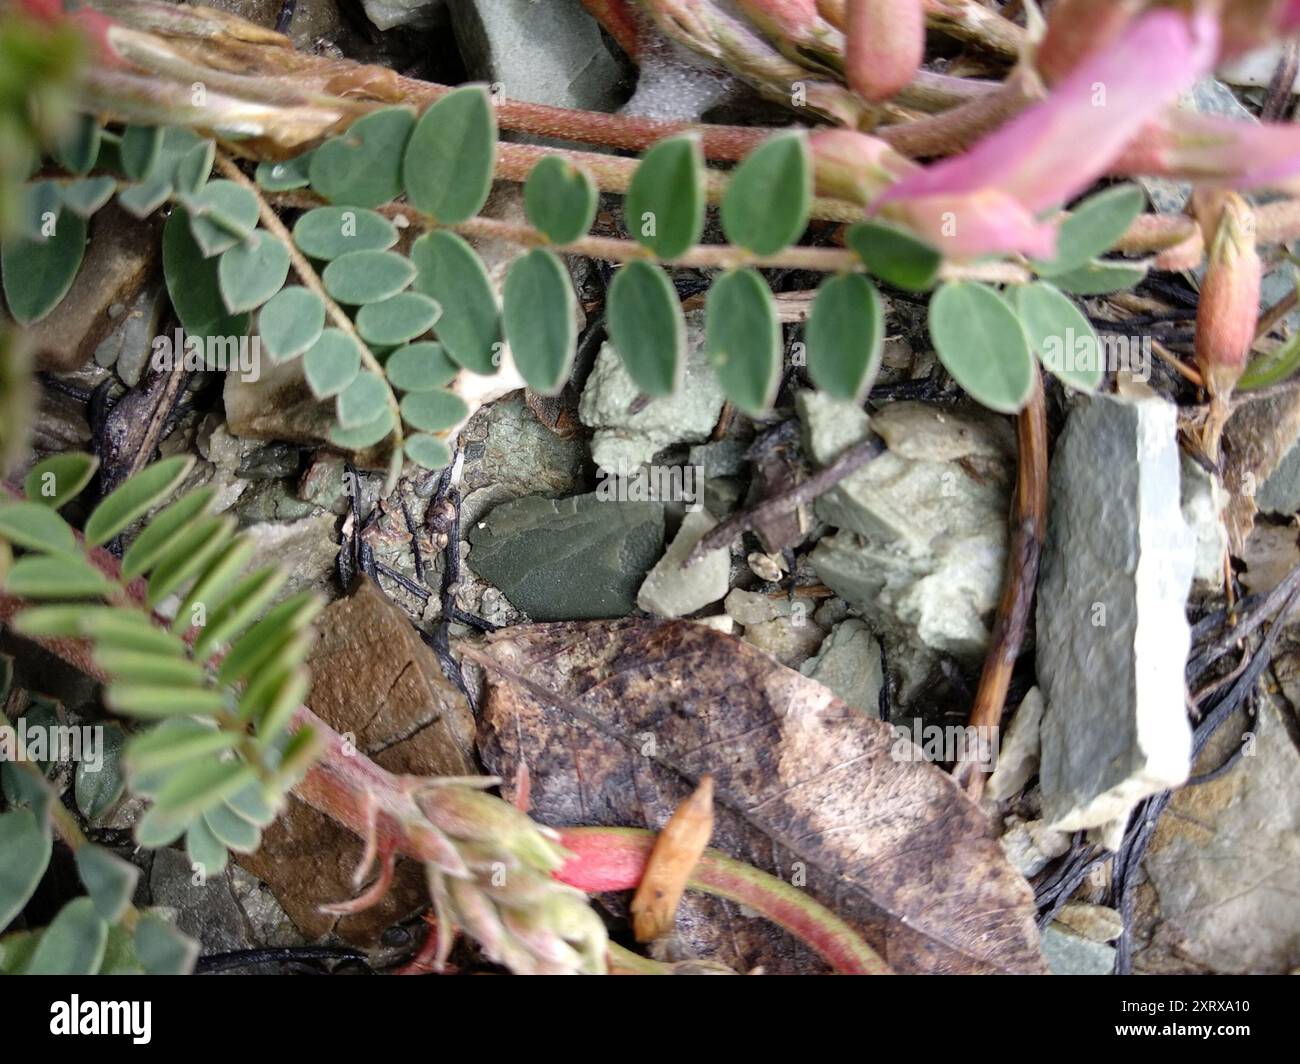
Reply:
x=884, y=46
x=855, y=166
x=1228, y=311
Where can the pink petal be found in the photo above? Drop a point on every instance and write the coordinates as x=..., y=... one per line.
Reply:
x=987, y=222
x=1056, y=149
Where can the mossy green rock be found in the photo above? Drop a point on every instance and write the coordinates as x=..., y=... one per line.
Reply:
x=580, y=558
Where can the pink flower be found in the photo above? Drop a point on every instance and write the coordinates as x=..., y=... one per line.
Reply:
x=1217, y=152
x=1056, y=149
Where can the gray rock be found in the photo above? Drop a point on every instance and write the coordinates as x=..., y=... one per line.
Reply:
x=849, y=664
x=550, y=53
x=792, y=640
x=1068, y=954
x=751, y=607
x=225, y=912
x=723, y=458
x=1226, y=859
x=1280, y=493
x=1019, y=753
x=506, y=447
x=624, y=439
x=922, y=545
x=1112, y=636
x=389, y=13
x=673, y=591
x=568, y=559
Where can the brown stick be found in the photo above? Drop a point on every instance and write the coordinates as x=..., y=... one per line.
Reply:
x=818, y=484
x=1029, y=522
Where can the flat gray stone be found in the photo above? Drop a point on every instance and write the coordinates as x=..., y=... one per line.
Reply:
x=579, y=558
x=624, y=437
x=1018, y=754
x=1112, y=635
x=1068, y=954
x=673, y=591
x=389, y=13
x=1225, y=860
x=848, y=662
x=551, y=53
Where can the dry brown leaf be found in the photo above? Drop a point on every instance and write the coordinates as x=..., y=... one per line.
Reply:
x=676, y=852
x=617, y=721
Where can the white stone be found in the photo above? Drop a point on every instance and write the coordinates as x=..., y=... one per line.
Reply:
x=670, y=590
x=1019, y=752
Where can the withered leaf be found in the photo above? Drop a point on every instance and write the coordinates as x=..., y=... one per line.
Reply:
x=617, y=720
x=374, y=679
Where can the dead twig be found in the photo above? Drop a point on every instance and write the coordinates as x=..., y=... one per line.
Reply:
x=784, y=502
x=1029, y=522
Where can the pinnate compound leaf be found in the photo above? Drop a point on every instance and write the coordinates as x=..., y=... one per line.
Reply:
x=57, y=577
x=363, y=436
x=766, y=204
x=332, y=363
x=1094, y=227
x=290, y=322
x=362, y=167
x=59, y=478
x=252, y=272
x=845, y=336
x=843, y=803
x=447, y=171
x=433, y=411
x=140, y=151
x=26, y=845
x=328, y=232
x=73, y=944
x=647, y=327
x=361, y=277
x=1100, y=277
x=136, y=497
x=981, y=342
x=894, y=255
x=37, y=272
x=221, y=215
x=285, y=176
x=204, y=849
x=88, y=195
x=560, y=199
x=539, y=311
x=398, y=319
x=194, y=285
x=427, y=451
x=743, y=339
x=420, y=367
x=35, y=527
x=1060, y=335
x=165, y=528
x=162, y=949
x=448, y=270
x=664, y=206
x=110, y=881
x=362, y=401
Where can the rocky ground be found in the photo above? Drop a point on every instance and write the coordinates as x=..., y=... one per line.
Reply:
x=882, y=589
